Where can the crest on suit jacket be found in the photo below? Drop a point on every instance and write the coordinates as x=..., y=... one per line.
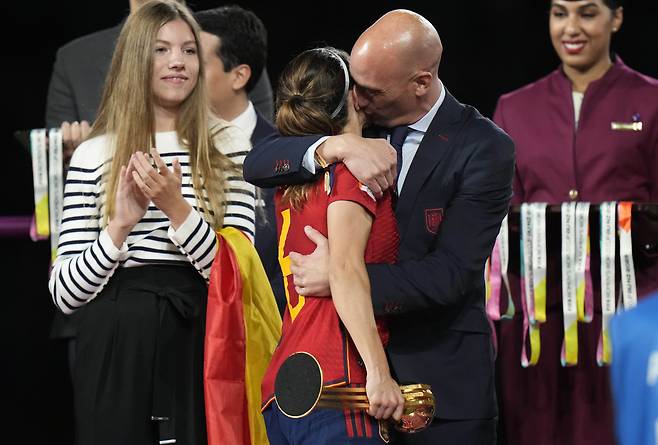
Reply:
x=433, y=219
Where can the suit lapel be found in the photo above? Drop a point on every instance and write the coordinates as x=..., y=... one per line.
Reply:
x=437, y=142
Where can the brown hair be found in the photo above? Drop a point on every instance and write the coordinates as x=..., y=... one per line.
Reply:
x=311, y=89
x=126, y=114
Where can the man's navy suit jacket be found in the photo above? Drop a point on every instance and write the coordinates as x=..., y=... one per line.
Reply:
x=455, y=195
x=266, y=235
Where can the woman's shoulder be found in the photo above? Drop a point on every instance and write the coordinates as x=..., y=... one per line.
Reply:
x=341, y=175
x=91, y=153
x=345, y=186
x=640, y=81
x=341, y=170
x=530, y=91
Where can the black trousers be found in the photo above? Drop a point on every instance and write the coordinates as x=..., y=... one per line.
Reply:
x=138, y=376
x=453, y=432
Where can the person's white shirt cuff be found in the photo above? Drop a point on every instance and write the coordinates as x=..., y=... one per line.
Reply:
x=309, y=157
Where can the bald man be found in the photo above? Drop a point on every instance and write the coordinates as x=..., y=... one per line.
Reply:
x=454, y=188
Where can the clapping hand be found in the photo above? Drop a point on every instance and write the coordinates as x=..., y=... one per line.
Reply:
x=162, y=185
x=130, y=205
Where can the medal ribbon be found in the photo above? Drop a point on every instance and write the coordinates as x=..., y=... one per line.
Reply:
x=488, y=298
x=539, y=259
x=497, y=276
x=584, y=289
x=628, y=284
x=530, y=326
x=607, y=211
x=39, y=228
x=55, y=187
x=569, y=354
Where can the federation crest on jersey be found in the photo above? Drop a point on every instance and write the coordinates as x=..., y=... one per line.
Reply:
x=433, y=219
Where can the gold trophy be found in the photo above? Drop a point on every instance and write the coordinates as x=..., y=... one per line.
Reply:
x=298, y=390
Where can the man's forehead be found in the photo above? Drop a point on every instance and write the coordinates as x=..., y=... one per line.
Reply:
x=365, y=76
x=371, y=66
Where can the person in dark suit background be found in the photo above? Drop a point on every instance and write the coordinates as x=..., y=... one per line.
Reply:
x=455, y=186
x=234, y=46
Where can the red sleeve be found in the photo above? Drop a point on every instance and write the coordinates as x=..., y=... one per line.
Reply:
x=345, y=187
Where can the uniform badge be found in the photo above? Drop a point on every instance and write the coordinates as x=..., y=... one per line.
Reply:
x=281, y=166
x=433, y=219
x=635, y=125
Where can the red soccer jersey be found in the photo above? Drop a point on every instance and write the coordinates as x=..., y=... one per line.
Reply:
x=312, y=324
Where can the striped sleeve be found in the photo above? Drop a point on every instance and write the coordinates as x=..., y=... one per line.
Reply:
x=86, y=256
x=239, y=194
x=197, y=241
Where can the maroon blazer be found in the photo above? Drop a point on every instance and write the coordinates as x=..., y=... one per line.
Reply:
x=600, y=163
x=555, y=162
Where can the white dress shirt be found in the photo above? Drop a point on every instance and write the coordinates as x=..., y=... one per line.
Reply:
x=246, y=121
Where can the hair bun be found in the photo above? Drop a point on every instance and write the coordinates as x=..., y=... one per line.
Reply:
x=296, y=99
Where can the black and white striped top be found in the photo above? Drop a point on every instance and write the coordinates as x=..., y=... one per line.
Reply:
x=87, y=257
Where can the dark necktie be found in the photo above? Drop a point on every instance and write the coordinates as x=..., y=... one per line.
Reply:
x=398, y=135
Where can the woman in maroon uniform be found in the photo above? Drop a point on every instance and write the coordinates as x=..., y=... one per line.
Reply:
x=314, y=97
x=589, y=132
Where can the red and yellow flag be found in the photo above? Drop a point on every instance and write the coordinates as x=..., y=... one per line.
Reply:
x=243, y=327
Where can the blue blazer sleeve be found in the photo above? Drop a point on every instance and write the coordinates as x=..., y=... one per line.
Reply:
x=277, y=160
x=452, y=270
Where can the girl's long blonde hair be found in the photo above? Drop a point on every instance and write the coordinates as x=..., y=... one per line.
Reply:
x=126, y=113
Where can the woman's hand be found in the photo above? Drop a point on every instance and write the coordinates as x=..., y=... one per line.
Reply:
x=130, y=205
x=162, y=186
x=384, y=396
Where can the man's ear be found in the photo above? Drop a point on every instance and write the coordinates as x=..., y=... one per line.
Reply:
x=422, y=82
x=241, y=75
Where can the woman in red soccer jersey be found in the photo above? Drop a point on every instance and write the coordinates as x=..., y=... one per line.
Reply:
x=314, y=97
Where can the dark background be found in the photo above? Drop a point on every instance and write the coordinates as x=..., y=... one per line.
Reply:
x=490, y=48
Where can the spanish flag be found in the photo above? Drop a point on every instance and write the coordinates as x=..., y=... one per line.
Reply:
x=243, y=327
